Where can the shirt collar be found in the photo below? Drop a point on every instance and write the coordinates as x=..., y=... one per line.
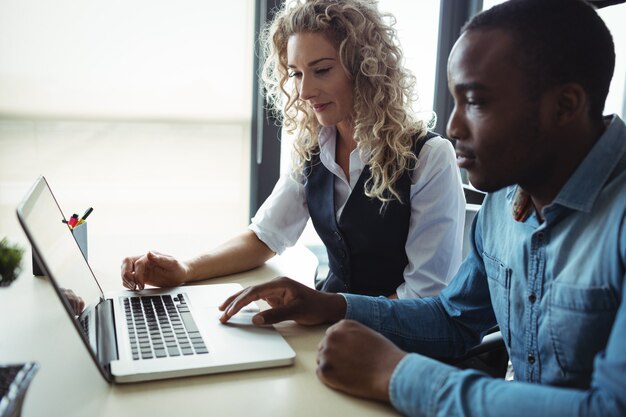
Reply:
x=327, y=137
x=583, y=187
x=521, y=204
x=327, y=140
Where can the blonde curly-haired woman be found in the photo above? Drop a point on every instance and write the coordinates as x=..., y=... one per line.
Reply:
x=383, y=193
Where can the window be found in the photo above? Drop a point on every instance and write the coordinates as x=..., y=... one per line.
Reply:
x=614, y=17
x=417, y=26
x=144, y=106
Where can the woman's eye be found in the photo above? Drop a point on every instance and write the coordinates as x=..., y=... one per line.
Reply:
x=295, y=74
x=322, y=71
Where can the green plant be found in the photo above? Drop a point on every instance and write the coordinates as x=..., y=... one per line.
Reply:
x=10, y=262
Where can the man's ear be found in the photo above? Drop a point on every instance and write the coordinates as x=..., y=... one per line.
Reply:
x=571, y=102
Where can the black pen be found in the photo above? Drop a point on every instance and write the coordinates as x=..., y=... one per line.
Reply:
x=87, y=213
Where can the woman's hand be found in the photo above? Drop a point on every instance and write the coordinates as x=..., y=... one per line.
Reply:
x=155, y=269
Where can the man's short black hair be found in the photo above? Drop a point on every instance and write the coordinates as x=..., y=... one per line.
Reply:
x=558, y=41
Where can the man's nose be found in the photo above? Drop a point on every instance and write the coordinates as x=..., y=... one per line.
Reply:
x=456, y=128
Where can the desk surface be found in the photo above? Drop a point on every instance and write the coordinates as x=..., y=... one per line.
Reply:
x=34, y=327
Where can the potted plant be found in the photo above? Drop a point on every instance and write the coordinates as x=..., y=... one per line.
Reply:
x=10, y=262
x=15, y=378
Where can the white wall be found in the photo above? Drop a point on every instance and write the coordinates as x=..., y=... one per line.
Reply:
x=126, y=59
x=138, y=108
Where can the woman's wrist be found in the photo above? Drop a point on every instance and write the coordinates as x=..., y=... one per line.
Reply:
x=193, y=269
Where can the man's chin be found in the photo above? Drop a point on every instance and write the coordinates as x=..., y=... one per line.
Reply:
x=484, y=183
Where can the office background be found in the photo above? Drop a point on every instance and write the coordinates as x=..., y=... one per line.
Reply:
x=147, y=109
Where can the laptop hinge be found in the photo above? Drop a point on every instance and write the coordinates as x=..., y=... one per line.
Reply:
x=105, y=322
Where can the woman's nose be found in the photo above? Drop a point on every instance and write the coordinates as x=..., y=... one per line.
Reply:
x=307, y=88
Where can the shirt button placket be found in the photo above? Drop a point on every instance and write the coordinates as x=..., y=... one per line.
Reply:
x=535, y=280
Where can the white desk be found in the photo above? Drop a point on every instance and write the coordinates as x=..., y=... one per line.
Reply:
x=34, y=327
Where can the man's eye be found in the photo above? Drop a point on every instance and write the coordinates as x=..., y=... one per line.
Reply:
x=474, y=102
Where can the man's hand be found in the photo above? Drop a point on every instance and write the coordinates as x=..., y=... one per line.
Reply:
x=289, y=300
x=357, y=360
x=154, y=269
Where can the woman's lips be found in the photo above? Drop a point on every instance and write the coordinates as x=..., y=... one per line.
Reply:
x=319, y=107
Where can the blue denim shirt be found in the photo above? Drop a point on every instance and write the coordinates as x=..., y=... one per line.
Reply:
x=555, y=289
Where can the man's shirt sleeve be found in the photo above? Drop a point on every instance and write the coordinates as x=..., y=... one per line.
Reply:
x=443, y=326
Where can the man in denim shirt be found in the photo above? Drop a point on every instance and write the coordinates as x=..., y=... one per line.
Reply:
x=548, y=259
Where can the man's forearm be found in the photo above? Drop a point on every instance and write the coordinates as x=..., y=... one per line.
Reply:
x=421, y=386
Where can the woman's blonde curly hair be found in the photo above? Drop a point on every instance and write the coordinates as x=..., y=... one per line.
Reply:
x=382, y=88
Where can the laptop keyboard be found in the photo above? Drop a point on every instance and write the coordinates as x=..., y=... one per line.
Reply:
x=14, y=381
x=84, y=323
x=161, y=326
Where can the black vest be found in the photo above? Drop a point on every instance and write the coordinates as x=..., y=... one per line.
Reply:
x=366, y=249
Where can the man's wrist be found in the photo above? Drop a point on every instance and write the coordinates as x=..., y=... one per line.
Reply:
x=335, y=307
x=387, y=375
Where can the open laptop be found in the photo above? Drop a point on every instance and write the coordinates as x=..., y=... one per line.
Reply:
x=146, y=335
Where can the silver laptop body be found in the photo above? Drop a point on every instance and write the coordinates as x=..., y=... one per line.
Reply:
x=152, y=334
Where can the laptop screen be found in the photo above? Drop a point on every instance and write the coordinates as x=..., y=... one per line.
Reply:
x=59, y=254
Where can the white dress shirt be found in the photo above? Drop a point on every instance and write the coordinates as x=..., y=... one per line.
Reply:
x=435, y=235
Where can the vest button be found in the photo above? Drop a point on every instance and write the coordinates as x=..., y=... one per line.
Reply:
x=531, y=358
x=532, y=297
x=337, y=235
x=342, y=253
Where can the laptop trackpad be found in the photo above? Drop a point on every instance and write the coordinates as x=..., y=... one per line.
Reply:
x=244, y=316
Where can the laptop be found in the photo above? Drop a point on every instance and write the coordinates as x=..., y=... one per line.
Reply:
x=150, y=334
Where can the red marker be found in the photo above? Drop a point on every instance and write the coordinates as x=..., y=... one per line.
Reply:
x=72, y=221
